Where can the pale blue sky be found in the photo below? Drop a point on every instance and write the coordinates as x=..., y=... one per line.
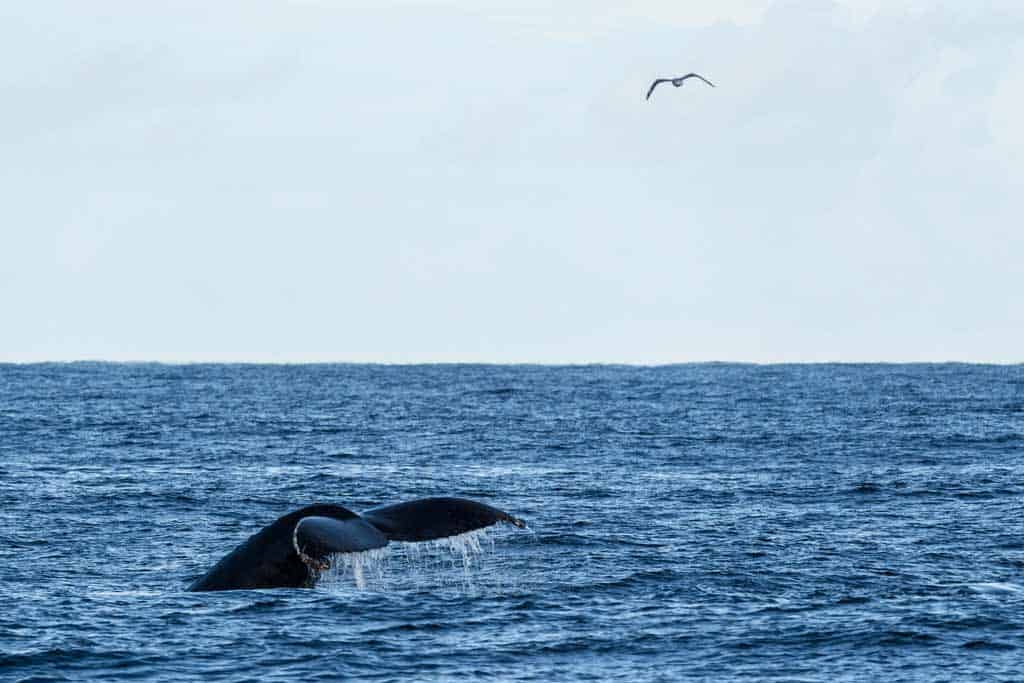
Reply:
x=483, y=181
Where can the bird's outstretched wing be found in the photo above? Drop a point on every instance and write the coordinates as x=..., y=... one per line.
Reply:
x=693, y=75
x=655, y=85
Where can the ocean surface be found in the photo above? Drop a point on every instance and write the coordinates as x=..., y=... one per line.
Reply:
x=708, y=522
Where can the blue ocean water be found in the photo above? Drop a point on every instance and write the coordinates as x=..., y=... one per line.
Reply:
x=715, y=521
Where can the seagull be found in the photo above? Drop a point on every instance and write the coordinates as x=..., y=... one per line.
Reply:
x=677, y=82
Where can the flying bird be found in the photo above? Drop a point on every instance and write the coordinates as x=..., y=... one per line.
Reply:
x=677, y=82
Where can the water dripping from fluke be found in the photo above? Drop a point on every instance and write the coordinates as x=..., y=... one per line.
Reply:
x=445, y=562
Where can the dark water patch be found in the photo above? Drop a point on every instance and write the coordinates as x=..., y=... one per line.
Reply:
x=988, y=645
x=498, y=392
x=905, y=638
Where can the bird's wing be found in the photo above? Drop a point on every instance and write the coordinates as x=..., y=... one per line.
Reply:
x=655, y=85
x=693, y=75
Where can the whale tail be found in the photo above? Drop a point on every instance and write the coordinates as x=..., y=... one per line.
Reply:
x=427, y=519
x=293, y=550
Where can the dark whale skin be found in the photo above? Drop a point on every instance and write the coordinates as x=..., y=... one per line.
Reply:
x=268, y=558
x=271, y=557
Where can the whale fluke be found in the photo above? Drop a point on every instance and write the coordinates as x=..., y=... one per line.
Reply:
x=431, y=518
x=316, y=538
x=268, y=559
x=292, y=551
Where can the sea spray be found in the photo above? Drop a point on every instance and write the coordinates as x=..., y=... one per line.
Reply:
x=454, y=560
x=354, y=567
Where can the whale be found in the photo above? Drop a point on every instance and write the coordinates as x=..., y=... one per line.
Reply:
x=294, y=550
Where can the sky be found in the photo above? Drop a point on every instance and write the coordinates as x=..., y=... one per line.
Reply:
x=483, y=181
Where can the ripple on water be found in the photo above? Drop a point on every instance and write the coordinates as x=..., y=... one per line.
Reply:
x=702, y=522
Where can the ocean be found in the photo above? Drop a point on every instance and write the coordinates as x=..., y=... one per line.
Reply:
x=697, y=522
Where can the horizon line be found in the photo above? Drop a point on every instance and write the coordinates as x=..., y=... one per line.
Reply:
x=535, y=363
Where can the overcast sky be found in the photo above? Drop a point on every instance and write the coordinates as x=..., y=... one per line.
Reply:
x=473, y=180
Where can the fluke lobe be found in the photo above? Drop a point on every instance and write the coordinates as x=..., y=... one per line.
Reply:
x=291, y=552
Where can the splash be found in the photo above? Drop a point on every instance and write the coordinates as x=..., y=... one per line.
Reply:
x=468, y=546
x=454, y=560
x=358, y=565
